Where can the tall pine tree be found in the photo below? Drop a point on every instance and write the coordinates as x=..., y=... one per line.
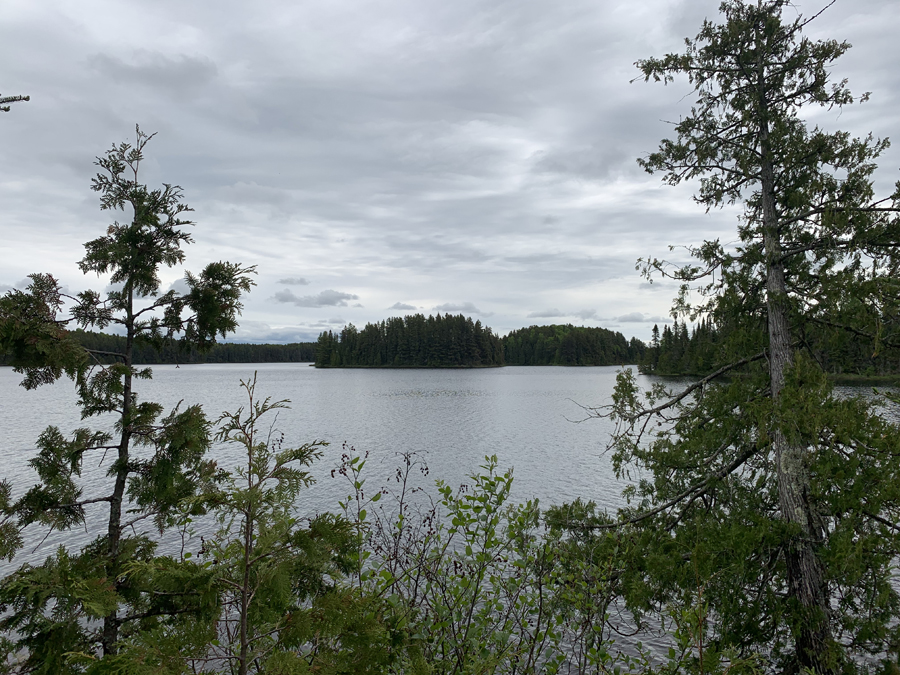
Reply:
x=770, y=496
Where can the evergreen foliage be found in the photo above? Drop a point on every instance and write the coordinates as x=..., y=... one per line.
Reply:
x=767, y=495
x=570, y=345
x=280, y=581
x=64, y=614
x=677, y=352
x=440, y=341
x=283, y=608
x=838, y=353
x=104, y=347
x=6, y=101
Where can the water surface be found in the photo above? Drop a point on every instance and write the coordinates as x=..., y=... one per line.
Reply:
x=532, y=418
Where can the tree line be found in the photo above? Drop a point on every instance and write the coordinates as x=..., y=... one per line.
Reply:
x=568, y=345
x=676, y=350
x=105, y=348
x=439, y=341
x=458, y=341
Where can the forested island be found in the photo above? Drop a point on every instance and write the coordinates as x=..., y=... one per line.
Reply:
x=414, y=341
x=459, y=342
x=569, y=345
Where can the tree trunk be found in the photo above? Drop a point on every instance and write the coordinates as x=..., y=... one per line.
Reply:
x=246, y=591
x=814, y=643
x=110, y=633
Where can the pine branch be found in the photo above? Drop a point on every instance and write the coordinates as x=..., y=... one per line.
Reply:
x=11, y=99
x=694, y=491
x=697, y=385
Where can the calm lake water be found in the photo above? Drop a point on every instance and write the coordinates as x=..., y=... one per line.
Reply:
x=530, y=417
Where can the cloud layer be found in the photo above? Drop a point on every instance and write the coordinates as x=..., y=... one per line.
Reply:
x=461, y=308
x=474, y=157
x=327, y=298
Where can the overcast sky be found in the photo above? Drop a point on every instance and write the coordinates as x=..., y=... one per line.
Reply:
x=380, y=157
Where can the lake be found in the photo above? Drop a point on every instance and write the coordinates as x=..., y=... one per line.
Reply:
x=530, y=417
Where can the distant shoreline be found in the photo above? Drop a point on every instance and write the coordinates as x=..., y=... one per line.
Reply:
x=391, y=367
x=839, y=379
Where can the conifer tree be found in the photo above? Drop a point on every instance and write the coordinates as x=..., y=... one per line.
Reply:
x=773, y=497
x=283, y=605
x=78, y=602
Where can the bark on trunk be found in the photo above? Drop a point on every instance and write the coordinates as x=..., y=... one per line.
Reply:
x=110, y=635
x=246, y=591
x=813, y=640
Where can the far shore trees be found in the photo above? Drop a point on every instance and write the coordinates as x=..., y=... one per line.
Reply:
x=441, y=341
x=766, y=497
x=79, y=602
x=568, y=345
x=841, y=354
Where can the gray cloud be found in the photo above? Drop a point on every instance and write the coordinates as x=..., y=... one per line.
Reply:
x=326, y=298
x=260, y=331
x=402, y=306
x=21, y=285
x=546, y=314
x=640, y=317
x=157, y=70
x=583, y=314
x=658, y=286
x=294, y=281
x=469, y=150
x=464, y=308
x=180, y=285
